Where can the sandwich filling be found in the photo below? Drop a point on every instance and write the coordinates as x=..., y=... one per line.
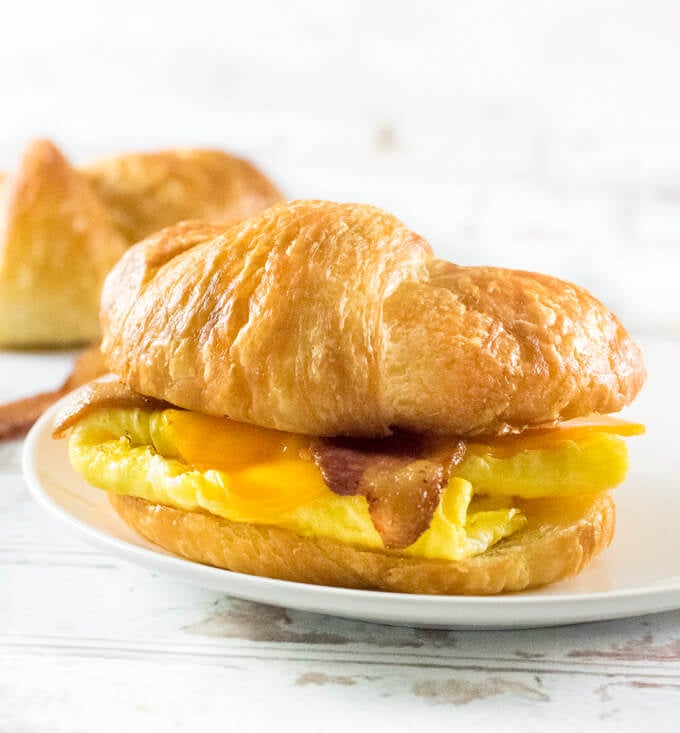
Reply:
x=408, y=494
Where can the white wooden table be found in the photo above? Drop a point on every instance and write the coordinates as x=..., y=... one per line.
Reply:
x=90, y=644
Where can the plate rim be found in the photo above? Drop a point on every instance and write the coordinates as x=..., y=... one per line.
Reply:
x=577, y=607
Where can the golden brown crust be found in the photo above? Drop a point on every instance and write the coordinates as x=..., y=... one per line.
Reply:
x=332, y=319
x=61, y=229
x=149, y=191
x=562, y=537
x=507, y=349
x=57, y=243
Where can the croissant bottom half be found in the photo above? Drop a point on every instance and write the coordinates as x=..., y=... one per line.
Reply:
x=561, y=538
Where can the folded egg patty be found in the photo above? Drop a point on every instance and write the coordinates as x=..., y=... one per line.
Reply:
x=245, y=473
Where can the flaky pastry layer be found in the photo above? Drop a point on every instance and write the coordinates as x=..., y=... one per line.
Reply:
x=148, y=191
x=57, y=243
x=63, y=228
x=332, y=319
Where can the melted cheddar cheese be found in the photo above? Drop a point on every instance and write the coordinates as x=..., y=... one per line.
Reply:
x=250, y=474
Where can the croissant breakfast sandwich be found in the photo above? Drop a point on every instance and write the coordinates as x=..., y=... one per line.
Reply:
x=63, y=228
x=311, y=395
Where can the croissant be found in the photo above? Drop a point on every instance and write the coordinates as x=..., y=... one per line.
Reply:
x=547, y=550
x=57, y=243
x=312, y=395
x=336, y=319
x=64, y=228
x=148, y=191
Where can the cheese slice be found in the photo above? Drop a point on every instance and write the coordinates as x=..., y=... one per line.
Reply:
x=545, y=438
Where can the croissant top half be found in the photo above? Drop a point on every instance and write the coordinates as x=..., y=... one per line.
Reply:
x=331, y=319
x=148, y=191
x=62, y=228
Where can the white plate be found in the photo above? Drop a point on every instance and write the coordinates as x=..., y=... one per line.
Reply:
x=639, y=574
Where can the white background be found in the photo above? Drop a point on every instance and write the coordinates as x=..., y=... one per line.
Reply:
x=534, y=134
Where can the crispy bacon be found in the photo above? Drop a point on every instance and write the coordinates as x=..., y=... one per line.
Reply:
x=402, y=478
x=102, y=394
x=17, y=417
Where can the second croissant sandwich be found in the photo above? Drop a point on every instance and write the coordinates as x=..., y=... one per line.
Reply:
x=311, y=395
x=63, y=228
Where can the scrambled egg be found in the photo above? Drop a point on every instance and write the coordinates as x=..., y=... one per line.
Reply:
x=245, y=473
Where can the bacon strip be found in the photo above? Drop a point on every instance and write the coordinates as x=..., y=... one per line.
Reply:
x=102, y=394
x=17, y=417
x=402, y=478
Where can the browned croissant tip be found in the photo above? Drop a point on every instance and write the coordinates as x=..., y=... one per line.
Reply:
x=336, y=319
